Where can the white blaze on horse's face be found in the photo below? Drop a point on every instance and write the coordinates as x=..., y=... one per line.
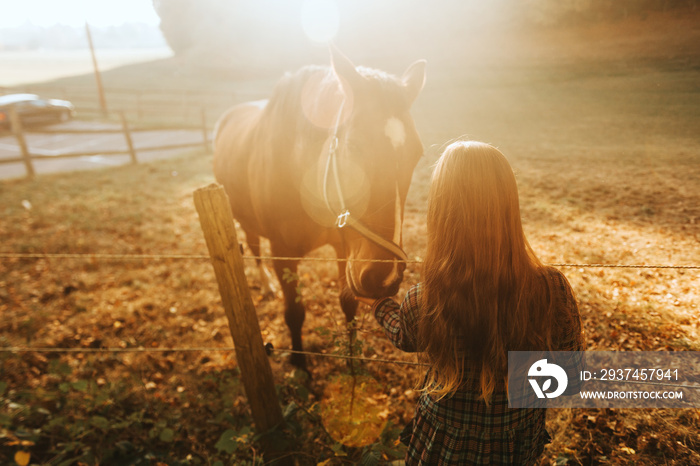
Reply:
x=395, y=131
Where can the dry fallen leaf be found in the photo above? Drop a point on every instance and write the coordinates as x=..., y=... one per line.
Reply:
x=22, y=458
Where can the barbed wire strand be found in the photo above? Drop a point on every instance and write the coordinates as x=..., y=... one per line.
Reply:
x=139, y=349
x=10, y=255
x=281, y=352
x=301, y=258
x=354, y=358
x=16, y=349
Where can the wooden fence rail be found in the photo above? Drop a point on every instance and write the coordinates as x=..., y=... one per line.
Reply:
x=89, y=90
x=147, y=103
x=27, y=157
x=132, y=129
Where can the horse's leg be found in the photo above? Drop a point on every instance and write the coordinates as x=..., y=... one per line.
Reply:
x=348, y=304
x=294, y=311
x=267, y=285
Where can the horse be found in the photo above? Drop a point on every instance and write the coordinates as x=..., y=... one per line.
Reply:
x=327, y=159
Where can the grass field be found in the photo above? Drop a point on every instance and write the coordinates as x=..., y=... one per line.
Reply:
x=606, y=150
x=38, y=66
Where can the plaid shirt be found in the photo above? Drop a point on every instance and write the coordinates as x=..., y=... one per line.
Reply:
x=460, y=428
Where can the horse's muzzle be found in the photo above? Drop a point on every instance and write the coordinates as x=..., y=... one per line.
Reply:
x=378, y=279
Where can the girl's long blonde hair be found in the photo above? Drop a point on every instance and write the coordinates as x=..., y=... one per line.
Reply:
x=484, y=290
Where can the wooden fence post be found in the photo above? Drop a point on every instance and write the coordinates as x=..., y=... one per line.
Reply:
x=220, y=234
x=127, y=136
x=98, y=77
x=18, y=131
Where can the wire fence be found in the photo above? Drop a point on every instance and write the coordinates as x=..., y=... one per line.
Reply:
x=270, y=350
x=128, y=257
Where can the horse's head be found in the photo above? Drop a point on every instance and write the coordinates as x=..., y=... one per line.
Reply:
x=370, y=156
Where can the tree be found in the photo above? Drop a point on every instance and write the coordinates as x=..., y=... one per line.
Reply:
x=176, y=19
x=255, y=33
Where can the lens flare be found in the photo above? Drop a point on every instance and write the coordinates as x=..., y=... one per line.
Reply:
x=354, y=410
x=320, y=19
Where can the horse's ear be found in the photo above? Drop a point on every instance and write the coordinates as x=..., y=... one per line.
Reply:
x=344, y=68
x=414, y=79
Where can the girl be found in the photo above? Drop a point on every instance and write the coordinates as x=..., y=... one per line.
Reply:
x=484, y=293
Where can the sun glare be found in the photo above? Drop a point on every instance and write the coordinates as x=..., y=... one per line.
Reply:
x=45, y=13
x=320, y=19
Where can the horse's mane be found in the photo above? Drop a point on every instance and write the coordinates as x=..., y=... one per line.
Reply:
x=389, y=85
x=285, y=101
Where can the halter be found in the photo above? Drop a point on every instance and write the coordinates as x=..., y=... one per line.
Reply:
x=344, y=218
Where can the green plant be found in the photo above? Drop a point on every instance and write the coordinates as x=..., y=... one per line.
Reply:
x=291, y=277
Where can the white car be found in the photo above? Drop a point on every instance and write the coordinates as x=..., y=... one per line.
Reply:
x=33, y=110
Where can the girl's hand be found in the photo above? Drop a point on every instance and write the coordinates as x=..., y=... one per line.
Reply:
x=368, y=301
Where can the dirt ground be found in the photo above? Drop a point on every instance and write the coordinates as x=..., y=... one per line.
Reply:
x=603, y=136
